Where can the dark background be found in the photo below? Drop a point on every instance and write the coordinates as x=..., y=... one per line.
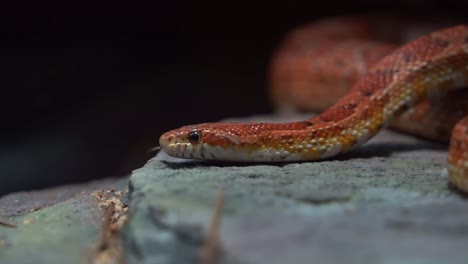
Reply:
x=88, y=88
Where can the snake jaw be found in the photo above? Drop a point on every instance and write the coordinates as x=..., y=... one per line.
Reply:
x=178, y=143
x=199, y=142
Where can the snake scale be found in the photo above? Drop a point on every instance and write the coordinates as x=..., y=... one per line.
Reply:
x=426, y=68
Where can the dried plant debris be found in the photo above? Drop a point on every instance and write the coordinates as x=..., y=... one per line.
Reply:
x=109, y=246
x=108, y=197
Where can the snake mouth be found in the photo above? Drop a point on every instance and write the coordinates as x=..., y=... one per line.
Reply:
x=168, y=143
x=175, y=146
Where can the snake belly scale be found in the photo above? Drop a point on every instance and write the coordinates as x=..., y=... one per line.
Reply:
x=431, y=65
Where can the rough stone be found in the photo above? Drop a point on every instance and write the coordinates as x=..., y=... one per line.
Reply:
x=57, y=225
x=386, y=202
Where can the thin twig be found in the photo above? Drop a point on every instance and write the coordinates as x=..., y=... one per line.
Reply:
x=103, y=239
x=34, y=209
x=212, y=248
x=7, y=224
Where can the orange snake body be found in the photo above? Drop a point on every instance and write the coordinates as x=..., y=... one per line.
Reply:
x=427, y=67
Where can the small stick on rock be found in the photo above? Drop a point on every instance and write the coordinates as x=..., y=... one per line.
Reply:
x=211, y=247
x=103, y=239
x=7, y=224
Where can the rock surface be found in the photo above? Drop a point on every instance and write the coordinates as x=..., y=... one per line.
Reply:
x=58, y=225
x=386, y=202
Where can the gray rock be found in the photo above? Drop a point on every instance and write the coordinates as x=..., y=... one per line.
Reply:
x=57, y=225
x=386, y=202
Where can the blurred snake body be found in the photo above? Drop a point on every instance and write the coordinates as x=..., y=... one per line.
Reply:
x=427, y=67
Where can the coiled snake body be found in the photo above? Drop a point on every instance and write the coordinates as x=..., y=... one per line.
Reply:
x=427, y=67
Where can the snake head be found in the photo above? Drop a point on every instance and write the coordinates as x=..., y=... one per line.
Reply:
x=203, y=141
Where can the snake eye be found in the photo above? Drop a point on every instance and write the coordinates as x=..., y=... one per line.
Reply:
x=195, y=137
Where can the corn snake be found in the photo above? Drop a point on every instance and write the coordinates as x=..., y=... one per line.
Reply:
x=431, y=66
